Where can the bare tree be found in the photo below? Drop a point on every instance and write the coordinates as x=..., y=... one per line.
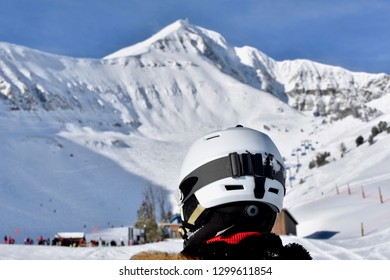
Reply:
x=163, y=206
x=153, y=197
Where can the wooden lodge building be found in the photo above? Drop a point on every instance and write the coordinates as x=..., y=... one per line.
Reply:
x=74, y=239
x=285, y=224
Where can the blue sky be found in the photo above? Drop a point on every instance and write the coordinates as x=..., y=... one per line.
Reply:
x=354, y=34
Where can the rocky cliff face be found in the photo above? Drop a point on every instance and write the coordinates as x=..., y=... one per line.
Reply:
x=317, y=88
x=326, y=90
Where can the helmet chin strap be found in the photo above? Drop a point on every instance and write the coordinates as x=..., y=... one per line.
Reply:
x=215, y=225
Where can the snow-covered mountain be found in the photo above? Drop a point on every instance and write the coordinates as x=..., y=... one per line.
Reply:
x=82, y=138
x=178, y=54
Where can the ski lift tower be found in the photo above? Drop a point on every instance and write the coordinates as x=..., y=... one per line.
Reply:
x=291, y=178
x=295, y=153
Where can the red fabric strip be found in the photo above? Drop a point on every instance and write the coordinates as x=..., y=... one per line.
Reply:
x=233, y=238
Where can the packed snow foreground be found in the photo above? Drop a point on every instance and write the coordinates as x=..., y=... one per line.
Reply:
x=373, y=247
x=83, y=138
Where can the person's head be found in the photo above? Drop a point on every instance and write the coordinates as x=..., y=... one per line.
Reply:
x=231, y=180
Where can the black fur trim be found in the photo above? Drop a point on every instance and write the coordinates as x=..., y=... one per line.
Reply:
x=294, y=251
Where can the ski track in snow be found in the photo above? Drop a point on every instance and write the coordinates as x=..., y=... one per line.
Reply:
x=371, y=180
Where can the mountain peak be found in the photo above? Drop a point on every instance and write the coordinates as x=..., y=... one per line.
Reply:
x=179, y=24
x=145, y=45
x=181, y=31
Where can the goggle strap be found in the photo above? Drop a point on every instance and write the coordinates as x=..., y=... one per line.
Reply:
x=234, y=165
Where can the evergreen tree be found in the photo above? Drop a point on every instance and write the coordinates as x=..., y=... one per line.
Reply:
x=146, y=215
x=359, y=141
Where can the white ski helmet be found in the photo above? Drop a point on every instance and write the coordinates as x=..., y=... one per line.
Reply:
x=237, y=173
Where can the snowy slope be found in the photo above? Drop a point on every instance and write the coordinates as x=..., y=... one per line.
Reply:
x=345, y=193
x=81, y=139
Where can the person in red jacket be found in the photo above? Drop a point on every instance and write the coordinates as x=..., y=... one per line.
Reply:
x=232, y=185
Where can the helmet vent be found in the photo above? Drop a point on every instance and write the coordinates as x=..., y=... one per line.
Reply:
x=234, y=187
x=273, y=190
x=212, y=137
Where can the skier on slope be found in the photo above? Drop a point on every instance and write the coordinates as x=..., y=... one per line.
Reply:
x=232, y=187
